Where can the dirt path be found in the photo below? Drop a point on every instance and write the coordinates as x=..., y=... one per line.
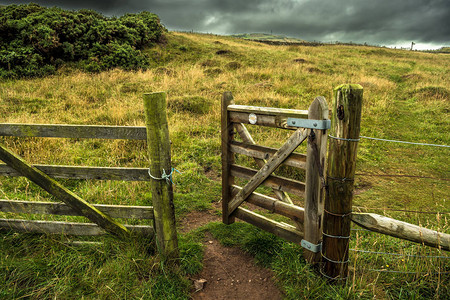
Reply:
x=229, y=272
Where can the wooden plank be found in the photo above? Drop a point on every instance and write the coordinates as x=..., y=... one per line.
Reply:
x=58, y=208
x=67, y=228
x=247, y=138
x=345, y=124
x=158, y=143
x=261, y=120
x=294, y=212
x=402, y=230
x=272, y=163
x=74, y=131
x=296, y=160
x=315, y=182
x=227, y=136
x=82, y=172
x=282, y=112
x=282, y=230
x=274, y=182
x=61, y=193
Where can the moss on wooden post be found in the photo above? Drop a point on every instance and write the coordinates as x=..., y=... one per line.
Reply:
x=162, y=193
x=343, y=143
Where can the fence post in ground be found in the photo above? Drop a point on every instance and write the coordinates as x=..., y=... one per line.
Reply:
x=315, y=182
x=160, y=170
x=227, y=157
x=343, y=142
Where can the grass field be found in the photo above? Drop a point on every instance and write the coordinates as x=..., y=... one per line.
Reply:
x=406, y=97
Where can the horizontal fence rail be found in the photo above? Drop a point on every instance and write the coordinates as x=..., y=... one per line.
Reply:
x=74, y=131
x=68, y=228
x=58, y=208
x=81, y=172
x=402, y=230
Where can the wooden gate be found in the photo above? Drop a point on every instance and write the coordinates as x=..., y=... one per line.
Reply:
x=328, y=188
x=311, y=125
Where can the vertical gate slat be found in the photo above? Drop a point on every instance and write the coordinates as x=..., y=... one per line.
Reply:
x=227, y=157
x=314, y=190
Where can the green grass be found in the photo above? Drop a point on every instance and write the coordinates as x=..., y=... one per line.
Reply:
x=44, y=267
x=406, y=97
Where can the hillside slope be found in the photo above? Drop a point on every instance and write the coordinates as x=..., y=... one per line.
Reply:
x=406, y=97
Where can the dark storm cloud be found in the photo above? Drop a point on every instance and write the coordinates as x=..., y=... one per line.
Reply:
x=373, y=21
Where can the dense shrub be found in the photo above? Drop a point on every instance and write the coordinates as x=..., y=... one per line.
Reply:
x=35, y=40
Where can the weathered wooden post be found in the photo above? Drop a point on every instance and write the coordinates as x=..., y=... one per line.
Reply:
x=227, y=157
x=343, y=143
x=315, y=185
x=161, y=173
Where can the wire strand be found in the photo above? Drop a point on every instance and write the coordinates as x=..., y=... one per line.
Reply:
x=399, y=254
x=404, y=210
x=403, y=142
x=401, y=175
x=402, y=272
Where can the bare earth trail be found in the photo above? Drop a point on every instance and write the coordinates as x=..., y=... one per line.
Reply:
x=230, y=273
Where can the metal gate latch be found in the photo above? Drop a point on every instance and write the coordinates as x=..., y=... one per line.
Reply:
x=311, y=247
x=308, y=123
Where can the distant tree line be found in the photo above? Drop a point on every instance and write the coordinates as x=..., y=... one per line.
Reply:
x=35, y=41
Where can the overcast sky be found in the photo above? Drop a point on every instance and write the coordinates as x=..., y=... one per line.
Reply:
x=378, y=22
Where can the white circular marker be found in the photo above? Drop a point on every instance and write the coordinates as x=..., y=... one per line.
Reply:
x=252, y=119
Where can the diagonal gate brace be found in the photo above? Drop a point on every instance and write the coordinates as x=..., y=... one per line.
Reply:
x=247, y=138
x=60, y=192
x=272, y=163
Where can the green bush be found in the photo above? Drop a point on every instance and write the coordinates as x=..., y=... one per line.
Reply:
x=35, y=41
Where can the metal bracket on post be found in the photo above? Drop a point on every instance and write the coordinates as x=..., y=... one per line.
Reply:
x=307, y=123
x=311, y=247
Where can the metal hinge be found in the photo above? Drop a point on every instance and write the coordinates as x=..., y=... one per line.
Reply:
x=311, y=247
x=307, y=123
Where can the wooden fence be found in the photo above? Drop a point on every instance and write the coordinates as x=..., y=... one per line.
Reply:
x=162, y=214
x=322, y=227
x=328, y=188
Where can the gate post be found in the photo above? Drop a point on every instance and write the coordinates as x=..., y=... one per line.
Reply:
x=227, y=135
x=343, y=143
x=315, y=186
x=160, y=172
